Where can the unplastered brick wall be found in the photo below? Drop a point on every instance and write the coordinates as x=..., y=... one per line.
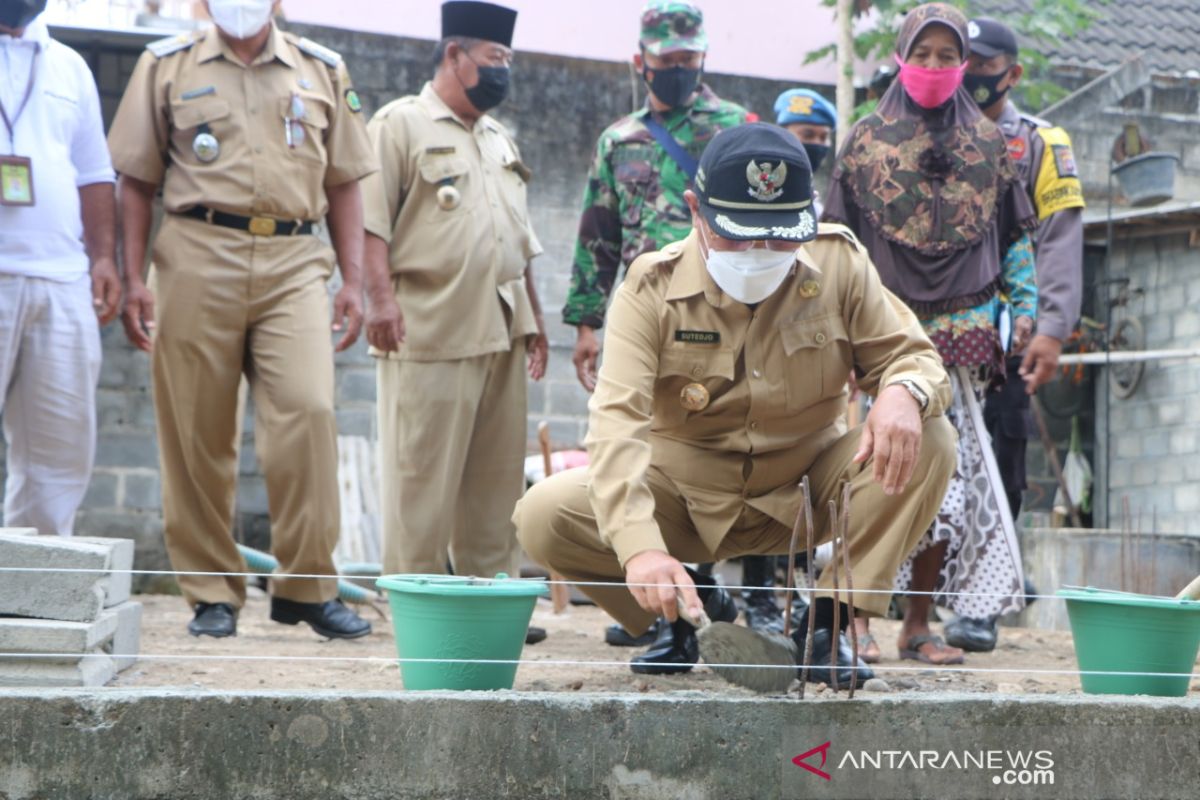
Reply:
x=1154, y=436
x=558, y=108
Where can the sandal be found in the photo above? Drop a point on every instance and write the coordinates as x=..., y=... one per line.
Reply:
x=912, y=650
x=865, y=642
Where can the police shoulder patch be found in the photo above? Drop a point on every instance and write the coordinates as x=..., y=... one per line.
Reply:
x=171, y=44
x=352, y=101
x=319, y=52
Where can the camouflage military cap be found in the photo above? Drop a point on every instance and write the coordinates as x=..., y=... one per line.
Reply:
x=670, y=25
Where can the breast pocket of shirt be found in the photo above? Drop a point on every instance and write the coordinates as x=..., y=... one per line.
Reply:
x=190, y=118
x=312, y=120
x=817, y=359
x=438, y=170
x=681, y=369
x=634, y=179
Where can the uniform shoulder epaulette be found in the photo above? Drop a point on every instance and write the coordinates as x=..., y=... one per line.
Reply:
x=319, y=52
x=1036, y=122
x=836, y=229
x=172, y=44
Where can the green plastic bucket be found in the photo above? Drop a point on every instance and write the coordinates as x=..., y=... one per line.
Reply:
x=452, y=617
x=1126, y=633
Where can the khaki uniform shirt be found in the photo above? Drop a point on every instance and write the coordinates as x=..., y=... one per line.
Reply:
x=199, y=84
x=458, y=273
x=775, y=377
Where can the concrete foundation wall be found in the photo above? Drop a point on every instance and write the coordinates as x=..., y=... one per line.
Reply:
x=329, y=746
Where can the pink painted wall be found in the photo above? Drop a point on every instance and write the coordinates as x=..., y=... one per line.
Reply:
x=763, y=38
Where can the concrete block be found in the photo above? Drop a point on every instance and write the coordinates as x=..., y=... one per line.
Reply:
x=117, y=586
x=94, y=669
x=18, y=635
x=69, y=596
x=126, y=640
x=18, y=532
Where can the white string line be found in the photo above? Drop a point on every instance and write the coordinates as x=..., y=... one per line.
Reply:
x=558, y=662
x=623, y=584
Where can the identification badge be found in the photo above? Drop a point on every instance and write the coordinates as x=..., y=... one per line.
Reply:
x=694, y=397
x=16, y=181
x=698, y=337
x=206, y=147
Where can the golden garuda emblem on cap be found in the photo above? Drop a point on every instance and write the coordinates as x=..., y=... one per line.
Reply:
x=765, y=183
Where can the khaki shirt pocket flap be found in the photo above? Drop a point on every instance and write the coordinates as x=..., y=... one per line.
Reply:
x=194, y=113
x=697, y=364
x=438, y=168
x=315, y=113
x=812, y=333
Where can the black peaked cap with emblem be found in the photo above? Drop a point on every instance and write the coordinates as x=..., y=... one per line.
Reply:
x=990, y=38
x=755, y=182
x=486, y=21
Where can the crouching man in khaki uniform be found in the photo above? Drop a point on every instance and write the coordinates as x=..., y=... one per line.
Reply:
x=723, y=385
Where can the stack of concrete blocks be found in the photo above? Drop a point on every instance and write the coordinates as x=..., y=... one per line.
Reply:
x=66, y=628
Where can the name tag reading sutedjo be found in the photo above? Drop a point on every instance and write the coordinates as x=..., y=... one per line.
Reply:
x=16, y=181
x=698, y=337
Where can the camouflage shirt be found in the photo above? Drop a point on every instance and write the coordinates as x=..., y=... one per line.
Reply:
x=633, y=203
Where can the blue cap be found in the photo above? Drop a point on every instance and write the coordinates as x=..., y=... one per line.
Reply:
x=805, y=106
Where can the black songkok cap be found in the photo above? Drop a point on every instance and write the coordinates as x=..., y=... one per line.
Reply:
x=477, y=20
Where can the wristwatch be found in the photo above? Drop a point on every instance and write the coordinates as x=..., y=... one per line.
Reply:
x=917, y=393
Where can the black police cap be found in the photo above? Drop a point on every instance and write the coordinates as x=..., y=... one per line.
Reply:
x=990, y=38
x=755, y=182
x=486, y=21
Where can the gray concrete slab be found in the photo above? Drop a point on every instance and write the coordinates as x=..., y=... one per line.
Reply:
x=683, y=746
x=69, y=596
x=118, y=585
x=24, y=635
x=91, y=670
x=18, y=532
x=127, y=637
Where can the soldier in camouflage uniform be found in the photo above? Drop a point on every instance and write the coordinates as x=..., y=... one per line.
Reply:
x=633, y=203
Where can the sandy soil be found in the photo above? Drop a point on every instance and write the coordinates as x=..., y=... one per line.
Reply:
x=574, y=636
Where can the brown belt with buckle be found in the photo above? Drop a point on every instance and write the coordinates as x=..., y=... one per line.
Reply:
x=258, y=226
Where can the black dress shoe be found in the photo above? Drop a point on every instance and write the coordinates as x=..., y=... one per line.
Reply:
x=617, y=636
x=214, y=619
x=330, y=619
x=676, y=650
x=762, y=613
x=972, y=635
x=823, y=643
x=534, y=634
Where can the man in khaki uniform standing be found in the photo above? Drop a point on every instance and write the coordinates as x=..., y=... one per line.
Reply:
x=448, y=250
x=254, y=135
x=723, y=385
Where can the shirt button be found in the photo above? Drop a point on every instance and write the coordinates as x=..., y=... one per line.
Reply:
x=258, y=149
x=753, y=426
x=757, y=373
x=696, y=372
x=819, y=338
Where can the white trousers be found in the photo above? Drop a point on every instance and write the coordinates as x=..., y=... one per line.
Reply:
x=49, y=368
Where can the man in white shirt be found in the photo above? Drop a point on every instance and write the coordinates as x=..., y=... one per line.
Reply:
x=58, y=278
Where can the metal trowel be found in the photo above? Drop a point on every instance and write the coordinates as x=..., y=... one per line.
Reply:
x=760, y=662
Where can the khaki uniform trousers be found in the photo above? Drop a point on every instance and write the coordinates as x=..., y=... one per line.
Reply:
x=556, y=525
x=229, y=304
x=452, y=462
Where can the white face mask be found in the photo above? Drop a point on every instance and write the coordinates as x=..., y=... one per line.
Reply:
x=748, y=276
x=241, y=19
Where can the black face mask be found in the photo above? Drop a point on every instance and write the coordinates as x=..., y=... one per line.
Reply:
x=491, y=89
x=984, y=89
x=673, y=86
x=816, y=154
x=17, y=14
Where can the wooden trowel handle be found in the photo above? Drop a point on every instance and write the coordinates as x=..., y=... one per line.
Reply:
x=681, y=607
x=1191, y=592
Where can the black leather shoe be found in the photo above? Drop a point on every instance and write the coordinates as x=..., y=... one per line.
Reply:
x=534, y=634
x=762, y=613
x=330, y=619
x=676, y=650
x=823, y=644
x=214, y=619
x=972, y=635
x=617, y=636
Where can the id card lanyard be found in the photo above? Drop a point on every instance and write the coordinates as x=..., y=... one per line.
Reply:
x=16, y=172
